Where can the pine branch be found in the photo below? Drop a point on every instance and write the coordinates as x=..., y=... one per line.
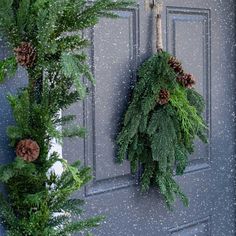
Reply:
x=7, y=215
x=23, y=15
x=8, y=68
x=73, y=42
x=73, y=66
x=8, y=26
x=64, y=120
x=81, y=225
x=74, y=132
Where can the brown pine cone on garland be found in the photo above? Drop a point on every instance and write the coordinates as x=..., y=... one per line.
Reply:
x=25, y=54
x=176, y=65
x=164, y=97
x=28, y=150
x=186, y=80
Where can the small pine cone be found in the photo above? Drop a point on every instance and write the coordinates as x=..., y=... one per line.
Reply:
x=186, y=80
x=27, y=150
x=176, y=65
x=164, y=97
x=25, y=54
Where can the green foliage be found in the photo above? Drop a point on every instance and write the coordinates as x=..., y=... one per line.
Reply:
x=23, y=15
x=44, y=23
x=190, y=120
x=43, y=211
x=8, y=26
x=39, y=202
x=72, y=67
x=8, y=68
x=161, y=137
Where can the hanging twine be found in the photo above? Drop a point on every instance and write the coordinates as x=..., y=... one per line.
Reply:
x=146, y=5
x=158, y=6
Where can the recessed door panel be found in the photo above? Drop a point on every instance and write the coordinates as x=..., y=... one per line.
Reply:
x=188, y=38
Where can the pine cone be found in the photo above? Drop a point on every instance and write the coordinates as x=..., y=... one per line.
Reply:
x=164, y=97
x=186, y=80
x=27, y=150
x=176, y=65
x=25, y=54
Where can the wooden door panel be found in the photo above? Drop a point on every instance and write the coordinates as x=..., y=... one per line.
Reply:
x=195, y=31
x=113, y=57
x=188, y=34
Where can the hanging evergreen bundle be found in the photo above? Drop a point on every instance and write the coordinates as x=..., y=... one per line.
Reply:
x=161, y=123
x=39, y=202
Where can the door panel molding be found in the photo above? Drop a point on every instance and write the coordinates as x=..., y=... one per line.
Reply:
x=200, y=227
x=188, y=37
x=100, y=148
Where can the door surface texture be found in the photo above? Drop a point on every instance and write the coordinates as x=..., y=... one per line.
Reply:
x=201, y=33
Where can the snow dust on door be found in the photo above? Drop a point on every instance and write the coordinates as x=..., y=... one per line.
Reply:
x=201, y=34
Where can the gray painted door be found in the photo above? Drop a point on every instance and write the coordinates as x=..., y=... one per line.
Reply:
x=202, y=34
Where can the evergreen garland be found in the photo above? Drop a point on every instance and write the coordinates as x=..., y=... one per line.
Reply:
x=161, y=123
x=46, y=38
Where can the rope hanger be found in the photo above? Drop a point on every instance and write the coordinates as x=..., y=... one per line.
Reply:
x=157, y=6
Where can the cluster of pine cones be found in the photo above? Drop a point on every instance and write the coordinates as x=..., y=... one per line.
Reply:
x=186, y=80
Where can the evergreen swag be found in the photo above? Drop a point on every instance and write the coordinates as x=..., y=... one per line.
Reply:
x=38, y=202
x=160, y=125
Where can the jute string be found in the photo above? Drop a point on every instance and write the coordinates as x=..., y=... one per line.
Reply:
x=157, y=10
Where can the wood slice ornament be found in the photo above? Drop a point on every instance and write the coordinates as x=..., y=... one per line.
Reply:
x=28, y=150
